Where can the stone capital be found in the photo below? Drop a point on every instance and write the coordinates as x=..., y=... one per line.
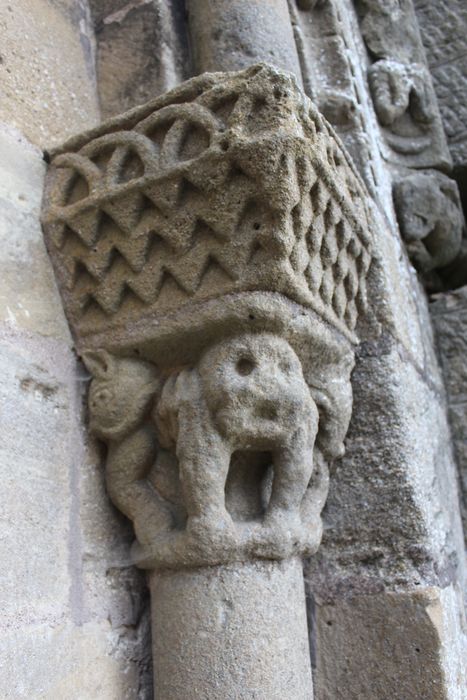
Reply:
x=212, y=249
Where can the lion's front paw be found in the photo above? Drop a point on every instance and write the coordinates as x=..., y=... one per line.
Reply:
x=285, y=528
x=280, y=535
x=213, y=528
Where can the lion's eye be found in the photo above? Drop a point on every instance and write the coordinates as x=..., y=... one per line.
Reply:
x=245, y=366
x=102, y=396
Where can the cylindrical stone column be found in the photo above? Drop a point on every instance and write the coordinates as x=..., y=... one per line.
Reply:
x=233, y=34
x=233, y=631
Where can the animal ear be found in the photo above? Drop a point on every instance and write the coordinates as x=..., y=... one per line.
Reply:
x=449, y=188
x=334, y=416
x=99, y=362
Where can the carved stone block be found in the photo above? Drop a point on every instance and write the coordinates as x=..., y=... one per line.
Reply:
x=401, y=87
x=212, y=249
x=430, y=218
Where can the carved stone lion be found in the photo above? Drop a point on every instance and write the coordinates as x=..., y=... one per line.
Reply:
x=172, y=441
x=247, y=393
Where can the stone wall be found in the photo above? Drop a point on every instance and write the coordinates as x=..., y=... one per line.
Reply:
x=74, y=617
x=392, y=550
x=135, y=39
x=449, y=313
x=47, y=69
x=443, y=25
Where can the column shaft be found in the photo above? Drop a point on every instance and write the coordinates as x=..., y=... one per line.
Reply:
x=234, y=34
x=235, y=631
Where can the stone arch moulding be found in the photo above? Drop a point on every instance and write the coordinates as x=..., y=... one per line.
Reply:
x=212, y=249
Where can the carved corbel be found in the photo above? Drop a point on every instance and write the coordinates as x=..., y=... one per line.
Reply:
x=430, y=219
x=426, y=201
x=400, y=84
x=212, y=249
x=400, y=89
